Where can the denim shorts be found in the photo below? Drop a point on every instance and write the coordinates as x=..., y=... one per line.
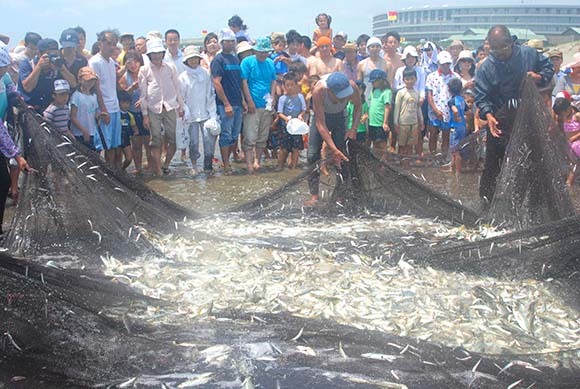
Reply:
x=231, y=126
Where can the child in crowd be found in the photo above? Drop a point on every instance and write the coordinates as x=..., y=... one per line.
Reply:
x=128, y=127
x=133, y=61
x=84, y=110
x=199, y=98
x=291, y=105
x=568, y=119
x=408, y=116
x=323, y=22
x=379, y=109
x=281, y=61
x=361, y=131
x=458, y=127
x=58, y=112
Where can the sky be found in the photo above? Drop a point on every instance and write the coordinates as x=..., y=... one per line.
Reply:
x=50, y=17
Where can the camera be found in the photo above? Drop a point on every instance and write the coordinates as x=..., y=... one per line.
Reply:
x=56, y=60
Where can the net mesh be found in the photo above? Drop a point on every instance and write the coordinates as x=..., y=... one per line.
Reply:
x=531, y=188
x=76, y=205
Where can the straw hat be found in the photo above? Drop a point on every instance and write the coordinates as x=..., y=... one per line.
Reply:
x=243, y=47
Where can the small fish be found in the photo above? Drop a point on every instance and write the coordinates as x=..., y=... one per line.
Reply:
x=62, y=144
x=298, y=335
x=341, y=350
x=128, y=383
x=98, y=235
x=92, y=177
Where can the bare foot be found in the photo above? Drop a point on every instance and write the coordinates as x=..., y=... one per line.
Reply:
x=324, y=170
x=311, y=201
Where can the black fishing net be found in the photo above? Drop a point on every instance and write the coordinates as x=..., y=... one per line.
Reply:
x=74, y=204
x=373, y=186
x=80, y=329
x=531, y=188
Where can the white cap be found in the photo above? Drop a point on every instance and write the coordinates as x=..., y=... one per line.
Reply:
x=444, y=57
x=227, y=35
x=374, y=41
x=465, y=54
x=61, y=86
x=409, y=51
x=155, y=45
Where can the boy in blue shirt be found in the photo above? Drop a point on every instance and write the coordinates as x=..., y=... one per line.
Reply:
x=458, y=125
x=258, y=85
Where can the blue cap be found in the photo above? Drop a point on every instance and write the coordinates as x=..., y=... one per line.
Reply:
x=377, y=74
x=339, y=84
x=263, y=44
x=69, y=38
x=47, y=44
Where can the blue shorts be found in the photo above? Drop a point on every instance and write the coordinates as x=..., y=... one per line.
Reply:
x=456, y=136
x=440, y=124
x=231, y=126
x=111, y=133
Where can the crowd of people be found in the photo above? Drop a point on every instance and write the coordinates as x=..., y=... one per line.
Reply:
x=146, y=98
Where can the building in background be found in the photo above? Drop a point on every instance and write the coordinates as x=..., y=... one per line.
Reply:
x=437, y=23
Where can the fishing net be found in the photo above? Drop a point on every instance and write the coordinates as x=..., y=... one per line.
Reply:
x=542, y=252
x=373, y=186
x=89, y=330
x=74, y=204
x=531, y=188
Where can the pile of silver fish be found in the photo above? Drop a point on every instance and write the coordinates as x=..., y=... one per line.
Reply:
x=313, y=268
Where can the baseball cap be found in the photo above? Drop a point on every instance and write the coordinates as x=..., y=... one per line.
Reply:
x=377, y=74
x=339, y=84
x=554, y=53
x=444, y=57
x=409, y=51
x=227, y=35
x=537, y=44
x=47, y=44
x=341, y=34
x=61, y=86
x=564, y=95
x=69, y=38
x=87, y=73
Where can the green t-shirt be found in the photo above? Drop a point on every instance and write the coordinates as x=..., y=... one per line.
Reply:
x=377, y=101
x=362, y=127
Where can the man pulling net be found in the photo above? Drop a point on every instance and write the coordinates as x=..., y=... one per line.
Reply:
x=329, y=98
x=497, y=88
